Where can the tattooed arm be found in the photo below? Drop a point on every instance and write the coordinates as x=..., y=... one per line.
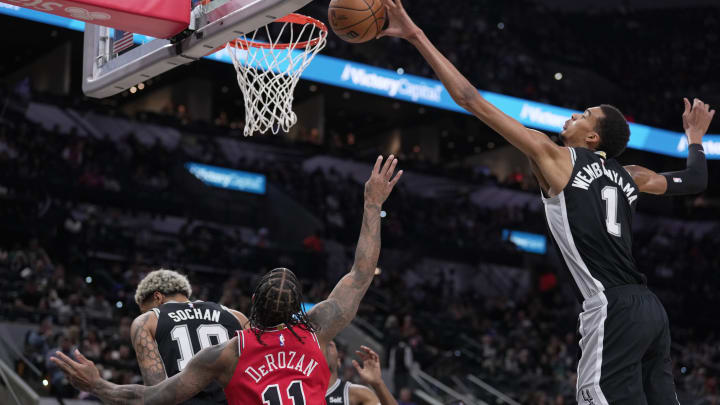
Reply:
x=338, y=310
x=216, y=363
x=142, y=333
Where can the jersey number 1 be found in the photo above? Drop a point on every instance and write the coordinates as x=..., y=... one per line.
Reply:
x=271, y=395
x=610, y=195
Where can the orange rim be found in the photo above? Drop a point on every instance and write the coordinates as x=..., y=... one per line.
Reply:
x=290, y=18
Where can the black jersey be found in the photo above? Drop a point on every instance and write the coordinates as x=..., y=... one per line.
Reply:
x=338, y=393
x=183, y=329
x=591, y=223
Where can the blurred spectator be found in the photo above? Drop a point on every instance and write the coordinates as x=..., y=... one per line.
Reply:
x=58, y=383
x=405, y=397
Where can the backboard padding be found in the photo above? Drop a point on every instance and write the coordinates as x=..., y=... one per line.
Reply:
x=105, y=74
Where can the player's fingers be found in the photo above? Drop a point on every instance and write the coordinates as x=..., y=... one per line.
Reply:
x=374, y=356
x=367, y=350
x=72, y=363
x=394, y=181
x=687, y=105
x=384, y=32
x=378, y=163
x=387, y=164
x=63, y=366
x=363, y=356
x=357, y=366
x=81, y=358
x=390, y=172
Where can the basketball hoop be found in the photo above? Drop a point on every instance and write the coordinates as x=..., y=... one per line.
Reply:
x=267, y=72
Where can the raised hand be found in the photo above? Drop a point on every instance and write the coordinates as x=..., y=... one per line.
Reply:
x=82, y=374
x=696, y=120
x=381, y=182
x=370, y=371
x=401, y=25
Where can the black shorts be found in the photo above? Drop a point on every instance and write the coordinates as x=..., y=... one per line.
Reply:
x=625, y=349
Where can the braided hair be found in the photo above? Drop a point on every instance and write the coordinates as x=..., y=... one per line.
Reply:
x=277, y=299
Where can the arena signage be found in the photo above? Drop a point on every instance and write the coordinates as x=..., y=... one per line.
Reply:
x=392, y=86
x=228, y=178
x=420, y=90
x=526, y=241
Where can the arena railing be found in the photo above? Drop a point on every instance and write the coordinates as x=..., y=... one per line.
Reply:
x=501, y=398
x=424, y=379
x=13, y=389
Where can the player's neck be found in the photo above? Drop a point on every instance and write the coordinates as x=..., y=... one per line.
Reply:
x=333, y=378
x=178, y=298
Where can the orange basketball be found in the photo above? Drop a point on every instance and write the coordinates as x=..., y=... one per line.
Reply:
x=356, y=21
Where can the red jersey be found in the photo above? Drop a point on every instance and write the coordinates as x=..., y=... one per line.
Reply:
x=283, y=371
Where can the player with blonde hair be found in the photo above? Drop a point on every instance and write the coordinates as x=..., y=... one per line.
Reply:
x=171, y=329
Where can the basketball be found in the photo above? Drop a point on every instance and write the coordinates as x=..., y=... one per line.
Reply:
x=356, y=21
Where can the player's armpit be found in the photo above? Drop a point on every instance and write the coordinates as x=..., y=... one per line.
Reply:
x=647, y=180
x=553, y=168
x=146, y=349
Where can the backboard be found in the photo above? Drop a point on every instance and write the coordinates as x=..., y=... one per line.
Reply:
x=213, y=23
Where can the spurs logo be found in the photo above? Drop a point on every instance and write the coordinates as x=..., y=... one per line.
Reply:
x=82, y=14
x=587, y=397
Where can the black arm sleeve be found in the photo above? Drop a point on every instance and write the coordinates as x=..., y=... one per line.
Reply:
x=692, y=180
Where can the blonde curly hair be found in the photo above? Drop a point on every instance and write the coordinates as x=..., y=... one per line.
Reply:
x=165, y=281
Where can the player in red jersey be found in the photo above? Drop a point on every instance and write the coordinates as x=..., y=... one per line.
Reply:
x=280, y=359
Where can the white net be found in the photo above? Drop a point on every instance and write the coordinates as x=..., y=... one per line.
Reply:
x=268, y=71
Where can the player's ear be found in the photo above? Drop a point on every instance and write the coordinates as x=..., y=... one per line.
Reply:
x=158, y=297
x=592, y=138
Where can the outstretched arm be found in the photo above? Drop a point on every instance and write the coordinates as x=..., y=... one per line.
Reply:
x=692, y=180
x=338, y=310
x=532, y=143
x=142, y=334
x=209, y=364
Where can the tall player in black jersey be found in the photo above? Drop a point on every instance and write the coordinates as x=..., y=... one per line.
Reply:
x=589, y=200
x=171, y=329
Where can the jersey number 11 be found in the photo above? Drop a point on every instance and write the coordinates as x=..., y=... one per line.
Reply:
x=271, y=395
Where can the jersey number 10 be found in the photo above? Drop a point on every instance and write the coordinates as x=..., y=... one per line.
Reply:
x=181, y=335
